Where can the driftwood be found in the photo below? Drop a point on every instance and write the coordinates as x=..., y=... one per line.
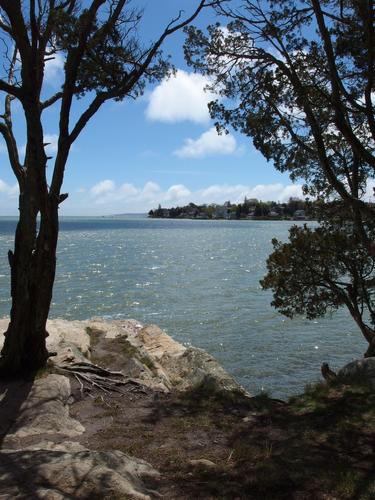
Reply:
x=91, y=376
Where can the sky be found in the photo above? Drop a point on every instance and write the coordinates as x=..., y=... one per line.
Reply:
x=160, y=149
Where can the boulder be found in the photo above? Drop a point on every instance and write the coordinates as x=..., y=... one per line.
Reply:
x=60, y=331
x=195, y=367
x=173, y=366
x=69, y=470
x=37, y=408
x=363, y=369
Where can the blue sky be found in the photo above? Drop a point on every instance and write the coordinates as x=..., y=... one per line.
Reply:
x=162, y=148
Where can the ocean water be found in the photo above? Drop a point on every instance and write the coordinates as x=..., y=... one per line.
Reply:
x=198, y=280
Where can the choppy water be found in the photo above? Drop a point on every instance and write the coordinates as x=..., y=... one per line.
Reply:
x=198, y=280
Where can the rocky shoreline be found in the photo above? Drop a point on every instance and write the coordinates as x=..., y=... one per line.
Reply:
x=42, y=443
x=180, y=428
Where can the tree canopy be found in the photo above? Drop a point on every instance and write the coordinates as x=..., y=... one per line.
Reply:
x=298, y=77
x=321, y=269
x=104, y=58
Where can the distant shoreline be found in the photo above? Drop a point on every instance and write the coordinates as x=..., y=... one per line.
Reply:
x=260, y=218
x=250, y=209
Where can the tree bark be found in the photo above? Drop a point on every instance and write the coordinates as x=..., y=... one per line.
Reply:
x=33, y=265
x=33, y=261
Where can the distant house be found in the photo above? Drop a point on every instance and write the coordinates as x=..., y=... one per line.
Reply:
x=201, y=215
x=299, y=215
x=221, y=212
x=165, y=212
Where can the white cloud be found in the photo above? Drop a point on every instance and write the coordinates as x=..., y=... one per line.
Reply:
x=107, y=193
x=150, y=190
x=177, y=192
x=277, y=192
x=127, y=190
x=369, y=194
x=54, y=70
x=7, y=190
x=8, y=198
x=180, y=97
x=208, y=144
x=102, y=187
x=51, y=140
x=106, y=197
x=218, y=193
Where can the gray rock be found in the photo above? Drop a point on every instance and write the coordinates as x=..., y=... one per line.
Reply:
x=31, y=467
x=58, y=473
x=43, y=409
x=198, y=368
x=174, y=366
x=360, y=369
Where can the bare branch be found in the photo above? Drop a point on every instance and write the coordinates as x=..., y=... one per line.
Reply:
x=50, y=101
x=5, y=27
x=11, y=89
x=12, y=152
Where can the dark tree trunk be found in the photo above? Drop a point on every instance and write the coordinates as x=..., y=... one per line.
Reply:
x=371, y=347
x=32, y=266
x=33, y=261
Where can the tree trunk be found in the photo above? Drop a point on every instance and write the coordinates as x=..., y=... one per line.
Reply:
x=371, y=347
x=33, y=261
x=33, y=265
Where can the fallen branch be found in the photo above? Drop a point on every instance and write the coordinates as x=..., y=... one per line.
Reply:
x=93, y=376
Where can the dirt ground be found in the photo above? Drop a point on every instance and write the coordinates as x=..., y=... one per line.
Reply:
x=319, y=445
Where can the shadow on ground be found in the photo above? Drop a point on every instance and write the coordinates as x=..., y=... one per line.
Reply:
x=316, y=446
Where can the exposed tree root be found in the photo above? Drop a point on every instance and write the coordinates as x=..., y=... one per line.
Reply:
x=92, y=376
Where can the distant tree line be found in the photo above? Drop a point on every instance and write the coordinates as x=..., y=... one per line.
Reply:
x=295, y=208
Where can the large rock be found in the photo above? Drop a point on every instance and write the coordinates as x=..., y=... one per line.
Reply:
x=36, y=408
x=360, y=369
x=39, y=458
x=152, y=356
x=167, y=364
x=69, y=470
x=61, y=333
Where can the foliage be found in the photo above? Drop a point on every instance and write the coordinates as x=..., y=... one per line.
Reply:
x=299, y=78
x=249, y=208
x=322, y=269
x=103, y=59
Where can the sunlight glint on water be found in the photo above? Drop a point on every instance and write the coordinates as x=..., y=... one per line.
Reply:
x=199, y=280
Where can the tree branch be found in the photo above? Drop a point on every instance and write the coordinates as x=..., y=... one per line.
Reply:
x=11, y=89
x=49, y=102
x=12, y=152
x=341, y=120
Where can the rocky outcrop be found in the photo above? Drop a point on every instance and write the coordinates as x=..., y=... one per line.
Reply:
x=360, y=369
x=145, y=352
x=164, y=363
x=39, y=457
x=43, y=410
x=67, y=338
x=68, y=470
